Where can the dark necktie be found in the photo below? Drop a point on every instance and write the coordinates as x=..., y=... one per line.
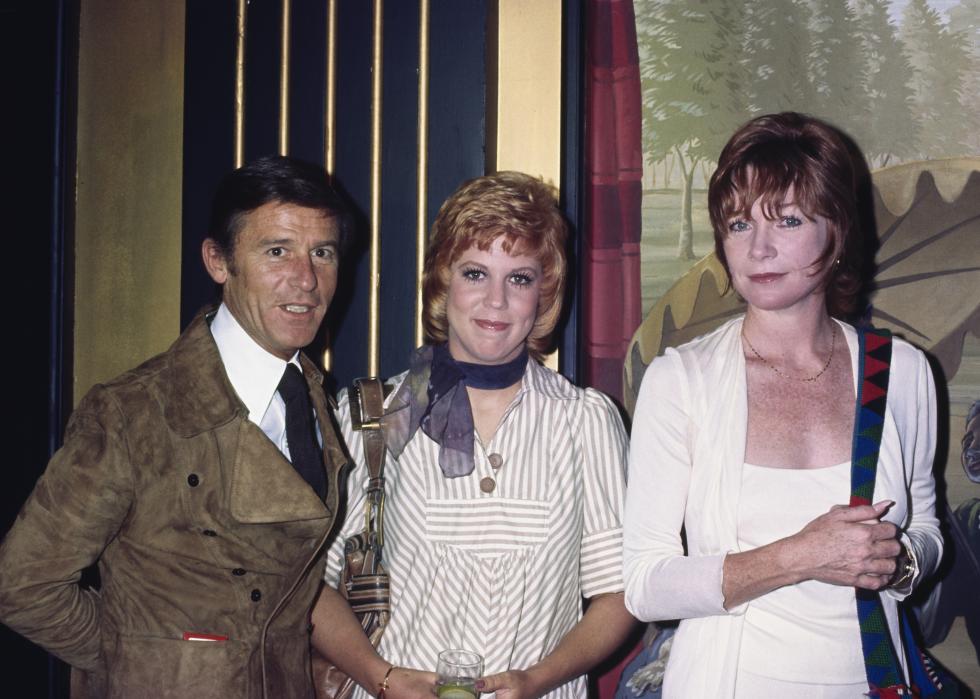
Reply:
x=304, y=450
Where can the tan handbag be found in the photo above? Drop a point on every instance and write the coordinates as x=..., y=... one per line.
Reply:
x=364, y=580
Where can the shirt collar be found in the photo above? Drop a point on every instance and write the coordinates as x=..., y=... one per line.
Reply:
x=252, y=371
x=549, y=383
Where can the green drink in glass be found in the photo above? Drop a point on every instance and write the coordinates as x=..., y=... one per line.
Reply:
x=458, y=672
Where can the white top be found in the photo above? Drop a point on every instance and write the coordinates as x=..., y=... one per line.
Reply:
x=500, y=573
x=686, y=459
x=799, y=633
x=254, y=374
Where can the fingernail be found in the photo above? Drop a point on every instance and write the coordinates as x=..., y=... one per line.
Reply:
x=479, y=685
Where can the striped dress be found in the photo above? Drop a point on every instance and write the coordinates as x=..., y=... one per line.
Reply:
x=503, y=572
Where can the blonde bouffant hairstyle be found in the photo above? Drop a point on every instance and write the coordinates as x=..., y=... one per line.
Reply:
x=521, y=210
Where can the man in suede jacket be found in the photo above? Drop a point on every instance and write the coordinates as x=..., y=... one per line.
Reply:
x=176, y=477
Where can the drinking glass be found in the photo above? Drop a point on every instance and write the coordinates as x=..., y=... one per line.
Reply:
x=458, y=672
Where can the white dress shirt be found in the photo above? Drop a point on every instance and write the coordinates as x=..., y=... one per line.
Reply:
x=255, y=376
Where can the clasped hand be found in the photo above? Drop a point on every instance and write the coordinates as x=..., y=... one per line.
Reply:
x=851, y=546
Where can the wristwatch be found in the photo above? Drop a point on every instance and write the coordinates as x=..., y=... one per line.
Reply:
x=905, y=569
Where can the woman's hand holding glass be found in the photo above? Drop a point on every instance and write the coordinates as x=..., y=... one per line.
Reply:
x=405, y=683
x=457, y=672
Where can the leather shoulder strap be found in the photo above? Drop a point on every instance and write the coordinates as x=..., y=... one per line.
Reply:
x=368, y=407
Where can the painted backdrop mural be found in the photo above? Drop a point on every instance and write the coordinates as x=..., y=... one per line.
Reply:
x=903, y=79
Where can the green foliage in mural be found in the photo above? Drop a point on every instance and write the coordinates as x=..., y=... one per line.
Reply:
x=691, y=87
x=892, y=130
x=775, y=56
x=938, y=58
x=837, y=70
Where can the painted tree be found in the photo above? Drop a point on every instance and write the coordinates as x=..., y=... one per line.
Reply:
x=892, y=130
x=836, y=70
x=970, y=101
x=692, y=100
x=939, y=60
x=775, y=56
x=965, y=19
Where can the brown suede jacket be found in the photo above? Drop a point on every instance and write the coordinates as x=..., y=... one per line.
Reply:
x=198, y=524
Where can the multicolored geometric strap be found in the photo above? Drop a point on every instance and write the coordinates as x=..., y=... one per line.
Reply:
x=874, y=352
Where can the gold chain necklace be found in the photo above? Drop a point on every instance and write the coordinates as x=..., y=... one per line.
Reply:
x=833, y=346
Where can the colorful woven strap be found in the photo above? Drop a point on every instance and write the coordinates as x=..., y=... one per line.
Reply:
x=875, y=352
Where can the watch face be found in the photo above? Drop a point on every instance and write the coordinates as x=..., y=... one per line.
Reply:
x=905, y=569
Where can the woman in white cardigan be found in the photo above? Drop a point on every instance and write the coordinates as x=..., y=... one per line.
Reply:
x=742, y=438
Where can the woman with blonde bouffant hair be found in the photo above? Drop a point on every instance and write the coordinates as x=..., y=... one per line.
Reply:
x=505, y=483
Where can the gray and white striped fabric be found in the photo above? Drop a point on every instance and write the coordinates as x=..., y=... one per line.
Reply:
x=501, y=573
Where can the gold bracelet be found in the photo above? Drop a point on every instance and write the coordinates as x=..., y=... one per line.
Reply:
x=383, y=684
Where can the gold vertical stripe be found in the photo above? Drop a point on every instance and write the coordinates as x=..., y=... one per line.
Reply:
x=374, y=273
x=126, y=251
x=284, y=80
x=330, y=117
x=527, y=109
x=423, y=163
x=242, y=21
x=330, y=113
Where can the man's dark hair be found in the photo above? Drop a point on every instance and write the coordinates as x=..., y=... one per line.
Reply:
x=274, y=178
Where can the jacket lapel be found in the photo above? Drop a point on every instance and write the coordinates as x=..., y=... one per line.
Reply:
x=201, y=396
x=265, y=487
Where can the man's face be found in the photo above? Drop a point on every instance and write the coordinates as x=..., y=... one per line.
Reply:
x=281, y=276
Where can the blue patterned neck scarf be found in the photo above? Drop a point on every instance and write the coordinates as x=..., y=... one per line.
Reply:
x=433, y=397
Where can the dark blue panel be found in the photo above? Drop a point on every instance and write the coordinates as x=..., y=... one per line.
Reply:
x=399, y=191
x=209, y=146
x=347, y=320
x=307, y=79
x=263, y=56
x=572, y=177
x=457, y=96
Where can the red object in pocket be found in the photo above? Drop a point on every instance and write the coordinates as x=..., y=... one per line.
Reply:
x=191, y=636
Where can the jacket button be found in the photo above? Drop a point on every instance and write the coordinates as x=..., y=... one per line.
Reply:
x=193, y=480
x=238, y=571
x=209, y=532
x=496, y=461
x=256, y=595
x=487, y=485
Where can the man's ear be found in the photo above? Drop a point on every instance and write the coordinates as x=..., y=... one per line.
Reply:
x=215, y=261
